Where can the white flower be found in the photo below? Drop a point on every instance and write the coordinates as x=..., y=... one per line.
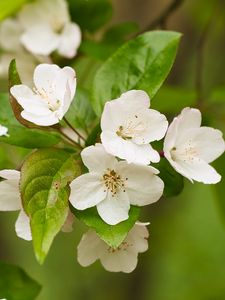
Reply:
x=128, y=126
x=122, y=259
x=10, y=201
x=190, y=148
x=48, y=28
x=48, y=102
x=113, y=185
x=3, y=131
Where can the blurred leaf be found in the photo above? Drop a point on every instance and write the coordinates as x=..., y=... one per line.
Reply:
x=81, y=114
x=45, y=175
x=8, y=7
x=20, y=135
x=173, y=181
x=90, y=14
x=219, y=187
x=142, y=63
x=113, y=235
x=94, y=136
x=112, y=39
x=218, y=95
x=172, y=99
x=15, y=284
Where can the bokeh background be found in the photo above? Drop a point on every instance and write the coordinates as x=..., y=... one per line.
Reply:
x=186, y=257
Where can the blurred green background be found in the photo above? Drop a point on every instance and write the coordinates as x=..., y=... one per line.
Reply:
x=186, y=257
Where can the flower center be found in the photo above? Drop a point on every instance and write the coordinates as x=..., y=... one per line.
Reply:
x=122, y=247
x=113, y=182
x=186, y=153
x=52, y=105
x=133, y=127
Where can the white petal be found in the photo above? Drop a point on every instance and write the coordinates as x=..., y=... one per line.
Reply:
x=119, y=261
x=48, y=120
x=10, y=32
x=10, y=174
x=40, y=39
x=116, y=111
x=208, y=143
x=9, y=191
x=90, y=248
x=196, y=169
x=30, y=102
x=23, y=226
x=86, y=191
x=156, y=126
x=70, y=40
x=142, y=186
x=45, y=76
x=137, y=237
x=96, y=159
x=114, y=209
x=70, y=75
x=126, y=149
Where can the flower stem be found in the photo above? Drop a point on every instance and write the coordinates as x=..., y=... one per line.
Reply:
x=71, y=141
x=71, y=127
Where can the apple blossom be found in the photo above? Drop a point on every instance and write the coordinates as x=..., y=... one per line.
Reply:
x=47, y=27
x=128, y=126
x=113, y=185
x=3, y=131
x=190, y=148
x=121, y=259
x=49, y=101
x=10, y=201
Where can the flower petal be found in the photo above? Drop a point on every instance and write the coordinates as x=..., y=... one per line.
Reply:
x=90, y=248
x=10, y=31
x=142, y=186
x=96, y=159
x=23, y=226
x=68, y=225
x=114, y=209
x=47, y=120
x=9, y=191
x=70, y=40
x=137, y=237
x=196, y=169
x=40, y=39
x=10, y=174
x=125, y=149
x=86, y=191
x=30, y=102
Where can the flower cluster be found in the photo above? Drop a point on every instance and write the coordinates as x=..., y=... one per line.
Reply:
x=119, y=172
x=39, y=28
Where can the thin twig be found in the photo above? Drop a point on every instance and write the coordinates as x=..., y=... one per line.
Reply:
x=160, y=21
x=71, y=127
x=71, y=141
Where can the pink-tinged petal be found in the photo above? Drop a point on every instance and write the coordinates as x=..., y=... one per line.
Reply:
x=125, y=149
x=40, y=39
x=29, y=101
x=114, y=209
x=90, y=248
x=196, y=169
x=47, y=120
x=142, y=185
x=70, y=40
x=96, y=159
x=86, y=191
x=23, y=226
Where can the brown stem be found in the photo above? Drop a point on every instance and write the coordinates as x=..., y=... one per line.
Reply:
x=161, y=20
x=71, y=141
x=71, y=127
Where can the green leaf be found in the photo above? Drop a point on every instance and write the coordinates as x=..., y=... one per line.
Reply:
x=15, y=284
x=173, y=181
x=45, y=175
x=113, y=235
x=142, y=63
x=90, y=14
x=8, y=7
x=20, y=135
x=81, y=114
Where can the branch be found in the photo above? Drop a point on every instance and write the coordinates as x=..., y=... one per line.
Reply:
x=161, y=20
